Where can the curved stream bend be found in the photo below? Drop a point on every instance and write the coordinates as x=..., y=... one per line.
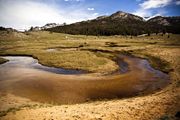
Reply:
x=23, y=76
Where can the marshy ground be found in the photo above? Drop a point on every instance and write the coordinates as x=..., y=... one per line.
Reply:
x=97, y=56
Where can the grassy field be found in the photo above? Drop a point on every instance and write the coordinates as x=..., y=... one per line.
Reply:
x=89, y=53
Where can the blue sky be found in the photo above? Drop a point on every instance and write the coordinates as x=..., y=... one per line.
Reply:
x=22, y=14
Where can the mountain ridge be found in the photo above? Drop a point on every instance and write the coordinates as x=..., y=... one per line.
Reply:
x=121, y=23
x=123, y=15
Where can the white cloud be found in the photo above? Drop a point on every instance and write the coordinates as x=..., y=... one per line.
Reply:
x=95, y=14
x=147, y=6
x=24, y=14
x=149, y=14
x=90, y=9
x=177, y=2
x=155, y=4
x=142, y=13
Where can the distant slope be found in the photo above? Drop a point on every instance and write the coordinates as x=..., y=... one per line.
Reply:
x=121, y=23
x=47, y=26
x=167, y=24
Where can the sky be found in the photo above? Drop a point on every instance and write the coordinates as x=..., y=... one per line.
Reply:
x=22, y=14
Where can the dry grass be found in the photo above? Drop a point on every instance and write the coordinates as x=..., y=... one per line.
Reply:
x=36, y=44
x=72, y=51
x=81, y=60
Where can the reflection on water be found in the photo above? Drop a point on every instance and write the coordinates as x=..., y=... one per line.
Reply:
x=51, y=50
x=23, y=76
x=29, y=62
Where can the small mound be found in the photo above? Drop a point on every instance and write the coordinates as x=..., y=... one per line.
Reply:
x=81, y=60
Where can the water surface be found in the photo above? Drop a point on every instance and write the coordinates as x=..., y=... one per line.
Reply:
x=25, y=77
x=31, y=63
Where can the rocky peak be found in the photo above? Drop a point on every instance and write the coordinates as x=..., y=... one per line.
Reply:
x=124, y=15
x=49, y=25
x=160, y=20
x=119, y=14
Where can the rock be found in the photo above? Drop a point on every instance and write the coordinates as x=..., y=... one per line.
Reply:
x=177, y=114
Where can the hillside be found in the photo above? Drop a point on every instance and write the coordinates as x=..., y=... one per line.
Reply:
x=121, y=23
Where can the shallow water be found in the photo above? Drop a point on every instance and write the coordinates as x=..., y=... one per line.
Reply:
x=31, y=63
x=24, y=76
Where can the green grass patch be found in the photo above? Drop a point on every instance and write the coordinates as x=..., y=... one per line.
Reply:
x=15, y=109
x=2, y=60
x=155, y=62
x=159, y=64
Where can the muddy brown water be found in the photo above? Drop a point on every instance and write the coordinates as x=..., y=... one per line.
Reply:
x=23, y=76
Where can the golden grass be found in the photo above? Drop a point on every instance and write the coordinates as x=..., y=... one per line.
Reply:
x=79, y=57
x=82, y=60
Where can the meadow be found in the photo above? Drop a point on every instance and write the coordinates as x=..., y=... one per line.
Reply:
x=88, y=53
